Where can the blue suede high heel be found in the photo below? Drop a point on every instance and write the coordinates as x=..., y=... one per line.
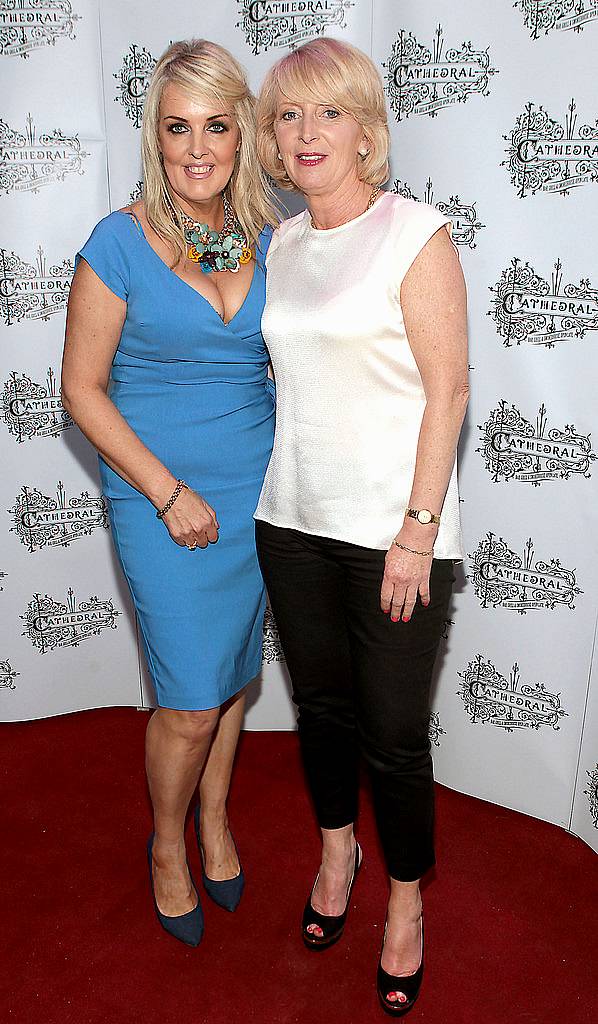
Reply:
x=228, y=892
x=186, y=927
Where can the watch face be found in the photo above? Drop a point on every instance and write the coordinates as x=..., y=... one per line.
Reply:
x=424, y=516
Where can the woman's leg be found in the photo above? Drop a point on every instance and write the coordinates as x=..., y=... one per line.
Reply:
x=403, y=943
x=392, y=672
x=177, y=744
x=220, y=857
x=304, y=585
x=329, y=896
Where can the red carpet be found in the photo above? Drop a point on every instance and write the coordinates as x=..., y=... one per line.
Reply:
x=510, y=916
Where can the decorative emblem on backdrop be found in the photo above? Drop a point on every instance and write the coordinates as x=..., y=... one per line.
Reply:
x=270, y=23
x=592, y=794
x=560, y=15
x=26, y=25
x=7, y=676
x=272, y=650
x=516, y=449
x=137, y=193
x=529, y=308
x=51, y=624
x=40, y=521
x=423, y=81
x=508, y=704
x=32, y=292
x=544, y=156
x=503, y=578
x=435, y=730
x=33, y=410
x=464, y=218
x=133, y=80
x=28, y=161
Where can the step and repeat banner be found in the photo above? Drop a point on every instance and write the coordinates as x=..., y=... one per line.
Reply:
x=493, y=116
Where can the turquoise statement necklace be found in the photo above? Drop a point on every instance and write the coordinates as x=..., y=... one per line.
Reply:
x=217, y=250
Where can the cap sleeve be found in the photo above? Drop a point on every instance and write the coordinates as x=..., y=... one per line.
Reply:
x=284, y=228
x=415, y=224
x=263, y=245
x=273, y=244
x=107, y=253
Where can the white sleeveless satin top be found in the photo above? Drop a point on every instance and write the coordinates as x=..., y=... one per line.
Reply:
x=349, y=395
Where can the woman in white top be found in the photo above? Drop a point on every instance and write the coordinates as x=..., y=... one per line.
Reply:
x=358, y=519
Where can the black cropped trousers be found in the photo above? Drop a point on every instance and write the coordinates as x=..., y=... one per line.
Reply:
x=361, y=684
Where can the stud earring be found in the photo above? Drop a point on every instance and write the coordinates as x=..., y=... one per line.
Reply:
x=279, y=156
x=363, y=153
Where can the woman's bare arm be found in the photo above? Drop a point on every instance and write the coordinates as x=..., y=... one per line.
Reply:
x=94, y=323
x=434, y=304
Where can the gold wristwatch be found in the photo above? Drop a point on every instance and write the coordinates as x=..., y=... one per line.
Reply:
x=423, y=516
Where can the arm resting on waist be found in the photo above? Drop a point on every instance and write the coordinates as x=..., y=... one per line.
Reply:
x=94, y=324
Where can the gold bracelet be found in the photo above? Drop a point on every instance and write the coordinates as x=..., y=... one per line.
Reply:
x=173, y=497
x=412, y=551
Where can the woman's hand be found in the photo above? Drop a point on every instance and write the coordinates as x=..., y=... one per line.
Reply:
x=191, y=522
x=406, y=575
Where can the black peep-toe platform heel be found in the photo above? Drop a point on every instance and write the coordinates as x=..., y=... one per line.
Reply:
x=408, y=985
x=332, y=927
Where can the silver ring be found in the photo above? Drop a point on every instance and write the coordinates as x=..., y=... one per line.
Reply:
x=192, y=547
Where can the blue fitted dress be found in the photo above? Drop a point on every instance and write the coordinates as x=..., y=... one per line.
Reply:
x=195, y=391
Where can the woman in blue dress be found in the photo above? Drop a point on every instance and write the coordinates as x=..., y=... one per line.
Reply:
x=165, y=372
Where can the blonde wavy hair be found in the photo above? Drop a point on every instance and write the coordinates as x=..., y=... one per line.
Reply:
x=208, y=74
x=326, y=70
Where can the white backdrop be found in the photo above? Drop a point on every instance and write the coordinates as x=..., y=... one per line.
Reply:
x=493, y=119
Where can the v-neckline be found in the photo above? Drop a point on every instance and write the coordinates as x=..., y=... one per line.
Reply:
x=189, y=287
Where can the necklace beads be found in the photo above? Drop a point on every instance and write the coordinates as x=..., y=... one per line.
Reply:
x=217, y=250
